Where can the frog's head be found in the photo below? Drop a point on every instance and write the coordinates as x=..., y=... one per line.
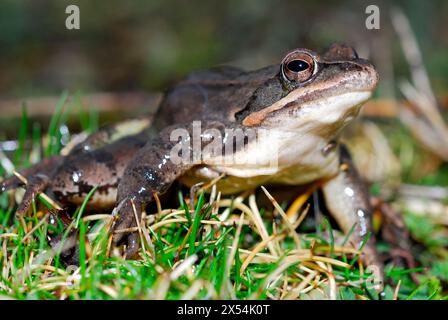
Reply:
x=312, y=91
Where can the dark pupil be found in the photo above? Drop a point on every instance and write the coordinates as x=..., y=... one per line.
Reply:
x=297, y=65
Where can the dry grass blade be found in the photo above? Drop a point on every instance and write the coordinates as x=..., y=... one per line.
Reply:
x=229, y=202
x=158, y=204
x=94, y=217
x=193, y=290
x=6, y=163
x=41, y=222
x=301, y=217
x=282, y=213
x=234, y=248
x=434, y=210
x=8, y=235
x=183, y=267
x=145, y=239
x=295, y=293
x=427, y=123
x=245, y=209
x=108, y=290
x=294, y=208
x=162, y=287
x=397, y=289
x=263, y=232
x=412, y=52
x=372, y=152
x=260, y=246
x=427, y=192
x=273, y=277
x=318, y=258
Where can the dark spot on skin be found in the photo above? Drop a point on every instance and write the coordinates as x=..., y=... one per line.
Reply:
x=105, y=157
x=83, y=190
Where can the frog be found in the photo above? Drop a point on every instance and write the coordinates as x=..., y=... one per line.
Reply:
x=204, y=129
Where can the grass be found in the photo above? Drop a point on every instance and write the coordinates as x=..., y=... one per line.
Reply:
x=220, y=248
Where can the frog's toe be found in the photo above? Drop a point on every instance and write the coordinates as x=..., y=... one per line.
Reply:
x=127, y=212
x=36, y=184
x=119, y=230
x=10, y=184
x=133, y=244
x=371, y=260
x=123, y=222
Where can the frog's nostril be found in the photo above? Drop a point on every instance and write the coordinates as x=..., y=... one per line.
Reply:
x=372, y=77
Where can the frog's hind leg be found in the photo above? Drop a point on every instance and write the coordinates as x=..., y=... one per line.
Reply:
x=112, y=133
x=347, y=199
x=394, y=231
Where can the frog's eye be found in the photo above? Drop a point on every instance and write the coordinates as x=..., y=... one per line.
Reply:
x=298, y=66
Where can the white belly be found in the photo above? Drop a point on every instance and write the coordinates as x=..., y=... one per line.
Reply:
x=276, y=152
x=280, y=157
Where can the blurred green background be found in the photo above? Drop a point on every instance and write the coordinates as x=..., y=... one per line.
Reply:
x=146, y=45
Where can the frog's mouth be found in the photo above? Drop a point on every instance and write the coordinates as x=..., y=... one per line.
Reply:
x=328, y=114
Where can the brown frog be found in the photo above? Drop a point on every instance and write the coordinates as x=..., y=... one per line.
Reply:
x=276, y=125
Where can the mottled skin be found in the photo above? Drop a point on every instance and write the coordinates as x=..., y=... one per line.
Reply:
x=305, y=102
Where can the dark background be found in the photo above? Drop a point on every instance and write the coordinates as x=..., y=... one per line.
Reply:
x=146, y=45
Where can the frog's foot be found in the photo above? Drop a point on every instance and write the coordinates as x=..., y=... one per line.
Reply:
x=36, y=179
x=35, y=185
x=395, y=232
x=124, y=227
x=47, y=166
x=393, y=227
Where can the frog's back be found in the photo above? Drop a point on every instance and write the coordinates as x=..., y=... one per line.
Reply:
x=215, y=94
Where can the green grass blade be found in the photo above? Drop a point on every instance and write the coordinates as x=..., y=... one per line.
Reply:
x=196, y=223
x=53, y=144
x=83, y=206
x=22, y=136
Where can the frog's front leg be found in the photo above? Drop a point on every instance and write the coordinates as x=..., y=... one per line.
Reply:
x=152, y=170
x=46, y=166
x=347, y=199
